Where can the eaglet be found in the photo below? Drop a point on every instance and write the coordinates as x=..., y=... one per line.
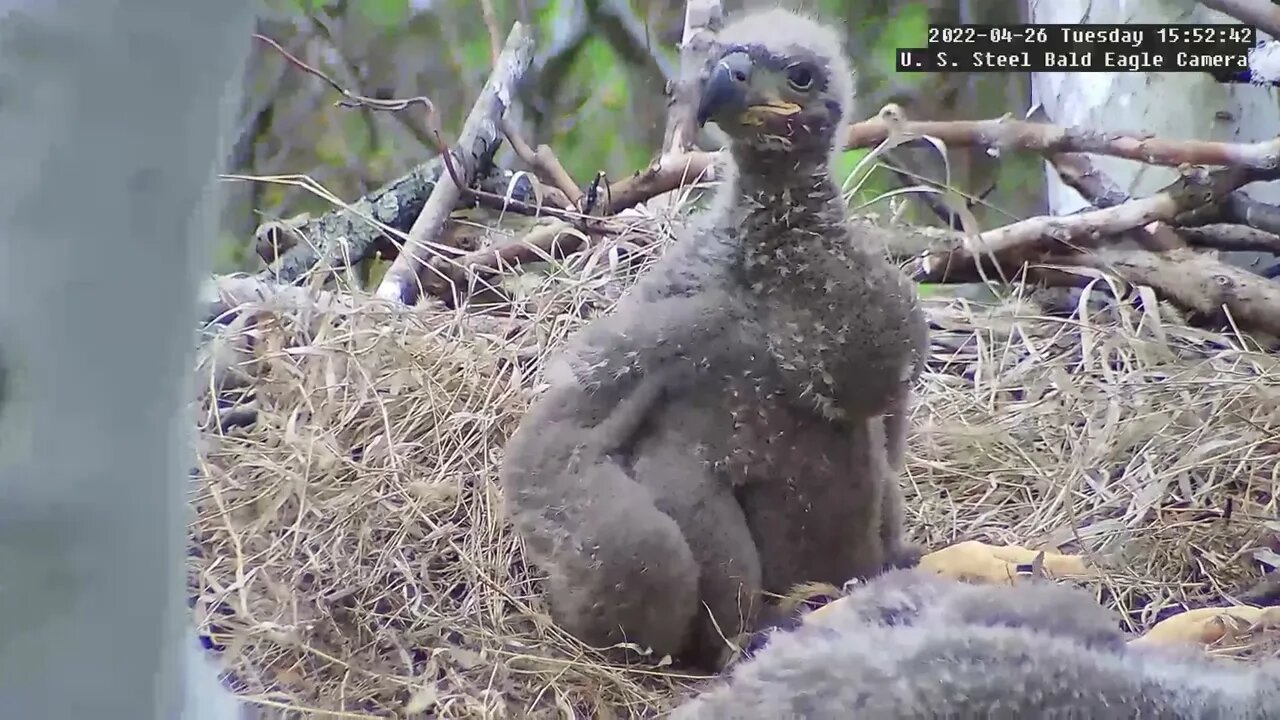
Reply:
x=909, y=645
x=736, y=424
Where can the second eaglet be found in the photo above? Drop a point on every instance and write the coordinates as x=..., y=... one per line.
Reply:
x=737, y=423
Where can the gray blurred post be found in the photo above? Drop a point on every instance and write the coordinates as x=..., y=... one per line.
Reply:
x=113, y=120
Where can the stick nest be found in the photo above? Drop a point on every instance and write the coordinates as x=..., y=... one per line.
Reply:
x=350, y=558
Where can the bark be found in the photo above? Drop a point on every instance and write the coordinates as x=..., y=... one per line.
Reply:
x=348, y=236
x=1216, y=292
x=113, y=116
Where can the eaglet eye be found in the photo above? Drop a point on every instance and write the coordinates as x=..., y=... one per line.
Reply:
x=800, y=76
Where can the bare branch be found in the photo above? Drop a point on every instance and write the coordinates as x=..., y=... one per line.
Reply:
x=350, y=99
x=703, y=19
x=666, y=173
x=347, y=237
x=1244, y=210
x=1025, y=239
x=1234, y=237
x=556, y=240
x=1008, y=134
x=543, y=161
x=478, y=133
x=1079, y=173
x=1193, y=281
x=545, y=165
x=353, y=234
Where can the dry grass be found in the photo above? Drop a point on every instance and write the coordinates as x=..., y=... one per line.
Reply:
x=351, y=557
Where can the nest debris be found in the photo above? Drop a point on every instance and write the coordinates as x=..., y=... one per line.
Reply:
x=350, y=558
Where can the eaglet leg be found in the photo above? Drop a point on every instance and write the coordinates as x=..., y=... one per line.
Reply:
x=703, y=505
x=609, y=496
x=624, y=572
x=899, y=552
x=619, y=569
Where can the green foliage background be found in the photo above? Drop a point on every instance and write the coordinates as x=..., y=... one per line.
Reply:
x=604, y=112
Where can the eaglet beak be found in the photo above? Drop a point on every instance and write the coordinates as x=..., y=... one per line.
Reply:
x=730, y=95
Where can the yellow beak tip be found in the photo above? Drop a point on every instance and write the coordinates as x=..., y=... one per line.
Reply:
x=756, y=114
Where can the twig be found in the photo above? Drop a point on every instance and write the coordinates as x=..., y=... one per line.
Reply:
x=556, y=240
x=353, y=75
x=1079, y=173
x=1234, y=238
x=1009, y=134
x=669, y=172
x=1025, y=239
x=1000, y=134
x=664, y=174
x=908, y=177
x=1244, y=210
x=478, y=132
x=544, y=163
x=1262, y=14
x=352, y=100
x=703, y=19
x=345, y=237
x=1193, y=281
x=1238, y=209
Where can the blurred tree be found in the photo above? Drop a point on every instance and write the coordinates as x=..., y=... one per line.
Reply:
x=113, y=115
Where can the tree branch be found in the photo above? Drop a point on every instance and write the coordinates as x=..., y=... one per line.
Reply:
x=1234, y=238
x=1079, y=173
x=479, y=132
x=666, y=173
x=1200, y=201
x=544, y=164
x=1009, y=134
x=353, y=234
x=1245, y=210
x=703, y=19
x=1023, y=240
x=1193, y=281
x=557, y=239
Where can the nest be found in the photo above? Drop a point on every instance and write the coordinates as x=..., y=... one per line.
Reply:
x=350, y=557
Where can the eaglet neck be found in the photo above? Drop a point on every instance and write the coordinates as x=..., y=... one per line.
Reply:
x=791, y=222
